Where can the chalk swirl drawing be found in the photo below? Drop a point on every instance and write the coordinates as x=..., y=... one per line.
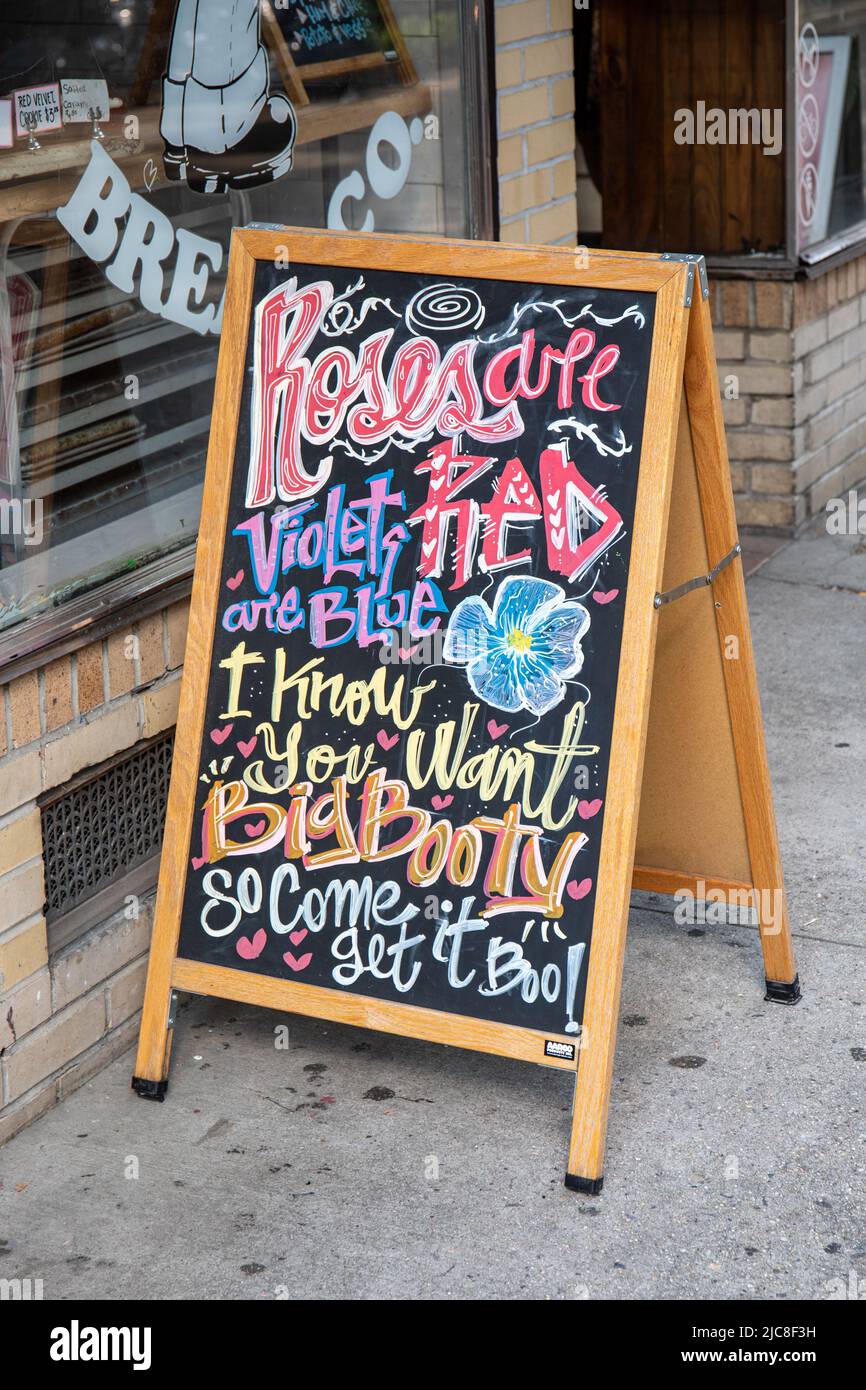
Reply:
x=444, y=308
x=520, y=655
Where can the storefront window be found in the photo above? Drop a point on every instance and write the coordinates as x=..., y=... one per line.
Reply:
x=134, y=134
x=831, y=120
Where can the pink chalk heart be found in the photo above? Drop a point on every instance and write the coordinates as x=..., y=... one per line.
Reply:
x=296, y=937
x=601, y=597
x=235, y=579
x=579, y=890
x=298, y=962
x=246, y=745
x=406, y=653
x=386, y=741
x=497, y=730
x=441, y=803
x=254, y=828
x=249, y=950
x=197, y=863
x=220, y=735
x=587, y=809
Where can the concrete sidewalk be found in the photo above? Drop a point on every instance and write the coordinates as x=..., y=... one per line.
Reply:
x=360, y=1166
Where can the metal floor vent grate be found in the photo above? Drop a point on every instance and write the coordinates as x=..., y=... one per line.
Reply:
x=105, y=824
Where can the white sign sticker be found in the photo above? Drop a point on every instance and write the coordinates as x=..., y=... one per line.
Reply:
x=37, y=108
x=84, y=98
x=7, y=137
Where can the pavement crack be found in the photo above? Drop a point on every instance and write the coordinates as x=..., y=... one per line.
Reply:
x=289, y=1109
x=811, y=584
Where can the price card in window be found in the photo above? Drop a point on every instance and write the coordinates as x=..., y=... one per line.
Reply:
x=83, y=99
x=37, y=108
x=7, y=137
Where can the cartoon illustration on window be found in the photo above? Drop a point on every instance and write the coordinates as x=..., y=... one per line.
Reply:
x=220, y=125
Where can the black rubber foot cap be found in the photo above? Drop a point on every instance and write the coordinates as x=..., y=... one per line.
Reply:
x=779, y=993
x=149, y=1090
x=590, y=1187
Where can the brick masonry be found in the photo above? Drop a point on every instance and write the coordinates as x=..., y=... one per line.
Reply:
x=792, y=367
x=535, y=121
x=63, y=1017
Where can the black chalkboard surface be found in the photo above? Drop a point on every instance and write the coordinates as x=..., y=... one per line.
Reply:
x=403, y=772
x=336, y=32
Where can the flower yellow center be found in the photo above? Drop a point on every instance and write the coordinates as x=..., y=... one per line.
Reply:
x=519, y=641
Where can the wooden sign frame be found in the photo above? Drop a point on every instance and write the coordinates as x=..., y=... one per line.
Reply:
x=683, y=457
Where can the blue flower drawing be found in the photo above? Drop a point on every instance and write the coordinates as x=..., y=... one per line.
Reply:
x=520, y=655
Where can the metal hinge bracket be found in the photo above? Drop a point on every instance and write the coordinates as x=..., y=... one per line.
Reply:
x=700, y=582
x=697, y=263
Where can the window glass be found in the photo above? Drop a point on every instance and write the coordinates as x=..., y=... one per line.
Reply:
x=831, y=119
x=134, y=134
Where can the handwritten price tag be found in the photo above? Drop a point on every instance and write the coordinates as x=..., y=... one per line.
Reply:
x=83, y=98
x=37, y=109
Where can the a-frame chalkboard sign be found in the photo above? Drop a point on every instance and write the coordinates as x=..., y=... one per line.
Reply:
x=449, y=692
